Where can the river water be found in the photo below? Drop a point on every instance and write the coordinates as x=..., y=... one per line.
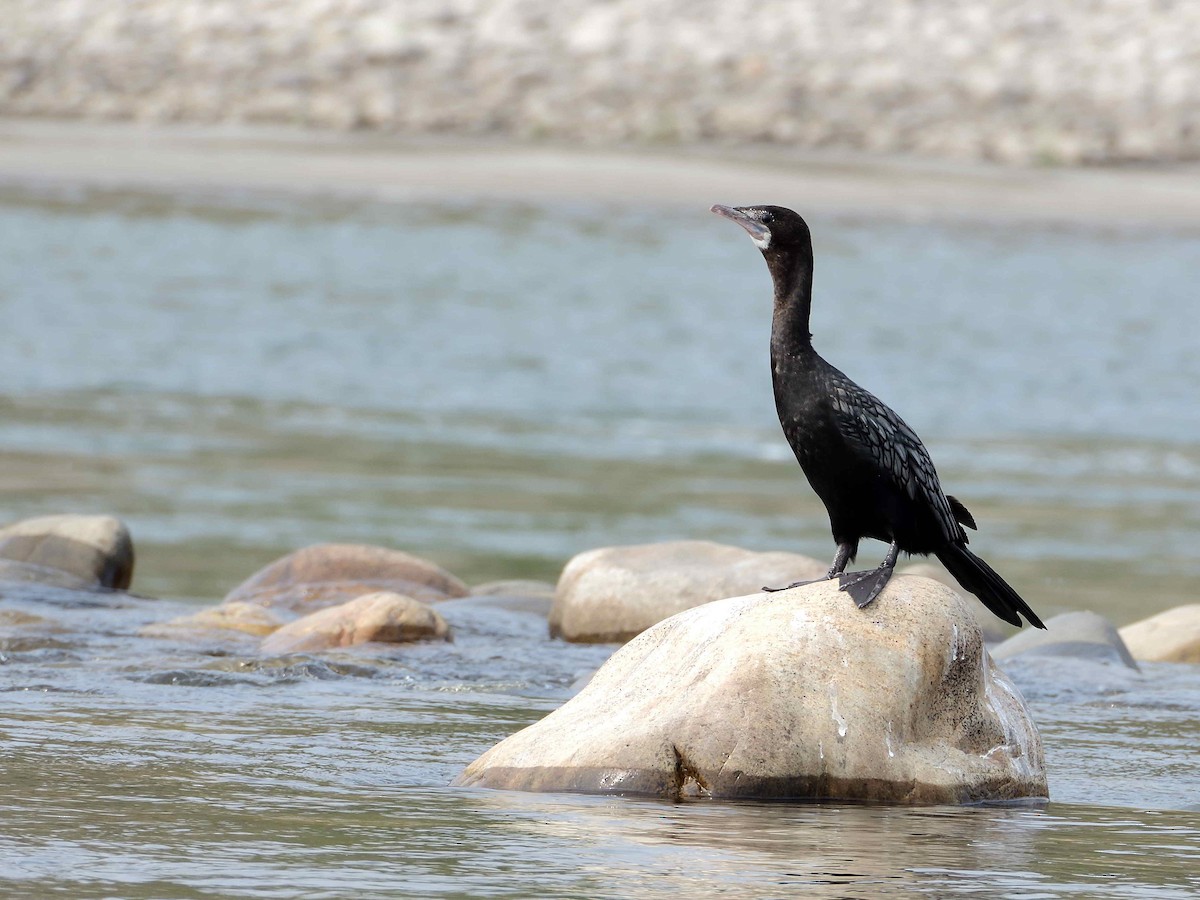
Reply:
x=498, y=387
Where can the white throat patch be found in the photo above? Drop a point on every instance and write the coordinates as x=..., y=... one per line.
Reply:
x=762, y=243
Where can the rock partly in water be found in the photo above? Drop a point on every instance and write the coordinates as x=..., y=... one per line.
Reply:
x=1170, y=636
x=383, y=616
x=249, y=618
x=1080, y=635
x=614, y=593
x=327, y=575
x=516, y=595
x=95, y=551
x=791, y=695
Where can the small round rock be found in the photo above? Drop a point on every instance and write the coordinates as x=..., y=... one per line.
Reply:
x=383, y=616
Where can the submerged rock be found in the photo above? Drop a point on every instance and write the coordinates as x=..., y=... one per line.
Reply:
x=326, y=575
x=94, y=551
x=249, y=618
x=382, y=616
x=1082, y=635
x=614, y=593
x=516, y=595
x=514, y=587
x=791, y=695
x=1170, y=636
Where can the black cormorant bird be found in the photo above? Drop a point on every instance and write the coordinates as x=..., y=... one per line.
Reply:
x=870, y=469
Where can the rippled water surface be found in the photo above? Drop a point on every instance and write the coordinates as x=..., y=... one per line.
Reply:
x=498, y=388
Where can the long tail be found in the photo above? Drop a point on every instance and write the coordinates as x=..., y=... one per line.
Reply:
x=981, y=580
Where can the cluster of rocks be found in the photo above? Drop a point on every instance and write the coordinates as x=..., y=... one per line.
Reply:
x=1018, y=81
x=721, y=691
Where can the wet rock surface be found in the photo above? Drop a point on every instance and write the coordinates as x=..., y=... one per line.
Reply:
x=1082, y=635
x=1170, y=636
x=613, y=593
x=383, y=617
x=249, y=618
x=68, y=551
x=796, y=695
x=327, y=575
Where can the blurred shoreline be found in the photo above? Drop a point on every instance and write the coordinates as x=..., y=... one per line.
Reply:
x=232, y=160
x=1021, y=82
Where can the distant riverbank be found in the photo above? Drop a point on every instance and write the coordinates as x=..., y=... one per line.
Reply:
x=305, y=162
x=1016, y=82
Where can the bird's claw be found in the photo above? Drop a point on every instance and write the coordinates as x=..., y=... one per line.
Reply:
x=775, y=590
x=795, y=584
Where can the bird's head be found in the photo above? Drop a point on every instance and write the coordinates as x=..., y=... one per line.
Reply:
x=774, y=229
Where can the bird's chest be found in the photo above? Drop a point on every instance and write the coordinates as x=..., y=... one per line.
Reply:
x=815, y=435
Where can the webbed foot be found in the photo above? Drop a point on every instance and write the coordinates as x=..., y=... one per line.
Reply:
x=864, y=587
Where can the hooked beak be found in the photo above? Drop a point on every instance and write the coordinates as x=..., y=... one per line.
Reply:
x=759, y=233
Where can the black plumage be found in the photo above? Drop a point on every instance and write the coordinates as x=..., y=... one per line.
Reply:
x=868, y=467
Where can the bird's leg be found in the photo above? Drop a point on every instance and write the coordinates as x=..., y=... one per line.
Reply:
x=844, y=552
x=863, y=587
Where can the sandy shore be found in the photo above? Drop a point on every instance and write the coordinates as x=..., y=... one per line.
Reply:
x=220, y=159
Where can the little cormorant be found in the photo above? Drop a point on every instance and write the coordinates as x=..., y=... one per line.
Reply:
x=870, y=469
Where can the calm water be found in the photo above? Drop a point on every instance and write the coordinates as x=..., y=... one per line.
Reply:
x=498, y=388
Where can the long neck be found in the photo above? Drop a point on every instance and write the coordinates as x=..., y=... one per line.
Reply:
x=791, y=274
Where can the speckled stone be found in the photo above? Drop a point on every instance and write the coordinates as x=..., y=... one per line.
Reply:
x=791, y=695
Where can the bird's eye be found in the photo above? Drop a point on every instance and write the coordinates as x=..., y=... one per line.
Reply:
x=767, y=217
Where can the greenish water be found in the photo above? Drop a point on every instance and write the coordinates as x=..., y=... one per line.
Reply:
x=498, y=388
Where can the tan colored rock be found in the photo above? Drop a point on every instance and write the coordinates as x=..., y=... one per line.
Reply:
x=383, y=616
x=1170, y=636
x=249, y=618
x=95, y=549
x=994, y=630
x=327, y=575
x=791, y=695
x=15, y=618
x=614, y=593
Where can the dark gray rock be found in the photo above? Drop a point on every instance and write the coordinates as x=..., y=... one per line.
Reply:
x=1081, y=635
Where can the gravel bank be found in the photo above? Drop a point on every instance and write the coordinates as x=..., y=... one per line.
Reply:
x=1017, y=81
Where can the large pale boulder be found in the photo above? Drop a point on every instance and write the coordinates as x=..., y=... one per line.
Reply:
x=96, y=550
x=1170, y=636
x=382, y=616
x=796, y=695
x=614, y=593
x=330, y=574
